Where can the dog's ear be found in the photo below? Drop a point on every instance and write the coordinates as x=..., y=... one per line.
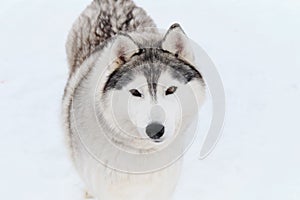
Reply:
x=176, y=42
x=122, y=49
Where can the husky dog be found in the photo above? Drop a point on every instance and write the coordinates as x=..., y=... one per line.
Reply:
x=131, y=90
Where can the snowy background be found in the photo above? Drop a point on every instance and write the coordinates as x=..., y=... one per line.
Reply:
x=254, y=43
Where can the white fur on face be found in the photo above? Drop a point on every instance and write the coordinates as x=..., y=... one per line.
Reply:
x=165, y=109
x=132, y=114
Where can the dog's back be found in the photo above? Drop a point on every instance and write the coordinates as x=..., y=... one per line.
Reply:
x=100, y=21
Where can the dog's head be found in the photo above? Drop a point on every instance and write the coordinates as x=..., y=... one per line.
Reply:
x=151, y=93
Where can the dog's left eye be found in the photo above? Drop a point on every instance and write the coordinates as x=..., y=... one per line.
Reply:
x=135, y=93
x=171, y=90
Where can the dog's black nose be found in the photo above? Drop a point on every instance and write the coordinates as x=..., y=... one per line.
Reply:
x=155, y=130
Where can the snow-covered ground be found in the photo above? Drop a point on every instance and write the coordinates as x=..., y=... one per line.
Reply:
x=256, y=47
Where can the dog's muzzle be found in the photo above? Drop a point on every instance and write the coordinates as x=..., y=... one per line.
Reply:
x=155, y=131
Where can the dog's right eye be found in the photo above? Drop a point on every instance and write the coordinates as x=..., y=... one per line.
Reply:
x=135, y=93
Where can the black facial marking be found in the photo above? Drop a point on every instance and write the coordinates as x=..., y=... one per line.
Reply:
x=118, y=79
x=151, y=62
x=185, y=73
x=152, y=74
x=154, y=86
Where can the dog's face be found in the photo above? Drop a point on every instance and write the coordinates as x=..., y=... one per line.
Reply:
x=155, y=107
x=152, y=94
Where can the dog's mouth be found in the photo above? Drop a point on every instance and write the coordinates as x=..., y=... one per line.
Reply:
x=158, y=140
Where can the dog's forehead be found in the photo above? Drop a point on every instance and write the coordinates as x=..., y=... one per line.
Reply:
x=138, y=80
x=152, y=67
x=167, y=79
x=159, y=77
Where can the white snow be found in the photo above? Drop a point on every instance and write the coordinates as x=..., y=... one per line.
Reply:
x=256, y=47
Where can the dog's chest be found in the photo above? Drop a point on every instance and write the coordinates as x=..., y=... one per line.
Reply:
x=159, y=185
x=112, y=185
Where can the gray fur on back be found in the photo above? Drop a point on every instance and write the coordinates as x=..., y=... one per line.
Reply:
x=100, y=21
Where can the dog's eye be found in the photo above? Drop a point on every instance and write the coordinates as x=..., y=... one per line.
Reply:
x=135, y=93
x=171, y=90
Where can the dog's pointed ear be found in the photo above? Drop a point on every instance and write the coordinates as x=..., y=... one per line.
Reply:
x=122, y=49
x=176, y=42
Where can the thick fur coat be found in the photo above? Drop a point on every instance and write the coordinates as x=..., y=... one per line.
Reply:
x=110, y=47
